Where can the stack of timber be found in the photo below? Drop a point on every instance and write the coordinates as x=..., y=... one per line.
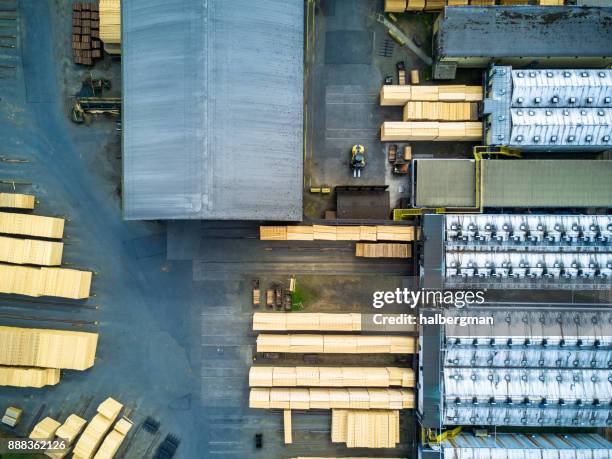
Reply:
x=85, y=33
x=93, y=434
x=31, y=225
x=17, y=201
x=287, y=427
x=45, y=429
x=336, y=344
x=324, y=399
x=67, y=432
x=30, y=251
x=366, y=428
x=337, y=233
x=383, y=250
x=331, y=377
x=344, y=457
x=29, y=377
x=399, y=6
x=306, y=321
x=114, y=439
x=401, y=94
x=36, y=282
x=469, y=131
x=110, y=25
x=34, y=347
x=440, y=111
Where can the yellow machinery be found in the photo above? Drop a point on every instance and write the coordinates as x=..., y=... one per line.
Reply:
x=358, y=159
x=430, y=437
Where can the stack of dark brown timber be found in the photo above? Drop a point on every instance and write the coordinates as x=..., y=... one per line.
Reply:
x=85, y=33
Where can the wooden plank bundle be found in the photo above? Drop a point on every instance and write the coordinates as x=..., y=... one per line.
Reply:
x=401, y=94
x=68, y=432
x=85, y=33
x=93, y=434
x=336, y=344
x=440, y=111
x=30, y=252
x=37, y=347
x=469, y=131
x=264, y=376
x=318, y=398
x=110, y=21
x=114, y=439
x=31, y=225
x=57, y=282
x=395, y=6
x=337, y=233
x=45, y=429
x=398, y=6
x=306, y=321
x=287, y=426
x=382, y=250
x=17, y=201
x=29, y=377
x=366, y=428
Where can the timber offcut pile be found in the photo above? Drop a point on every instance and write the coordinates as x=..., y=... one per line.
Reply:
x=261, y=376
x=86, y=46
x=366, y=428
x=383, y=250
x=336, y=344
x=337, y=233
x=293, y=398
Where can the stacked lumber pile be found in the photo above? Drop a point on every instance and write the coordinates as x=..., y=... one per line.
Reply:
x=318, y=398
x=110, y=25
x=30, y=251
x=94, y=433
x=331, y=377
x=336, y=344
x=29, y=377
x=67, y=432
x=382, y=250
x=399, y=6
x=17, y=201
x=440, y=111
x=36, y=282
x=85, y=33
x=34, y=347
x=114, y=439
x=336, y=233
x=470, y=131
x=308, y=321
x=31, y=225
x=401, y=94
x=45, y=429
x=366, y=428
x=287, y=426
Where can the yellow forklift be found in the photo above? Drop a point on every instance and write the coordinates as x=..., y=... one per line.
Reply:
x=358, y=160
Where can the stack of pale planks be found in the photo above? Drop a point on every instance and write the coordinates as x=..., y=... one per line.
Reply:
x=440, y=111
x=17, y=201
x=331, y=377
x=337, y=233
x=31, y=225
x=323, y=398
x=402, y=94
x=366, y=428
x=431, y=131
x=110, y=25
x=399, y=6
x=336, y=344
x=67, y=432
x=94, y=433
x=33, y=347
x=114, y=439
x=383, y=250
x=30, y=251
x=307, y=321
x=45, y=429
x=58, y=282
x=29, y=377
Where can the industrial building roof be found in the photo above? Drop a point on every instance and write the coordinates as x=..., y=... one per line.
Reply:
x=514, y=183
x=526, y=31
x=212, y=109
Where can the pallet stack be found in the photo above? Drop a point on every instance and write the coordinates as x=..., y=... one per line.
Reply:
x=86, y=45
x=366, y=428
x=383, y=250
x=337, y=233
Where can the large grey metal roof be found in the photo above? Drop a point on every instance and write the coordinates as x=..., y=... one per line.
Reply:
x=212, y=109
x=525, y=31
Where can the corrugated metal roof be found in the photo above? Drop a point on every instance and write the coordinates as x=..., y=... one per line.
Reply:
x=212, y=115
x=525, y=31
x=528, y=442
